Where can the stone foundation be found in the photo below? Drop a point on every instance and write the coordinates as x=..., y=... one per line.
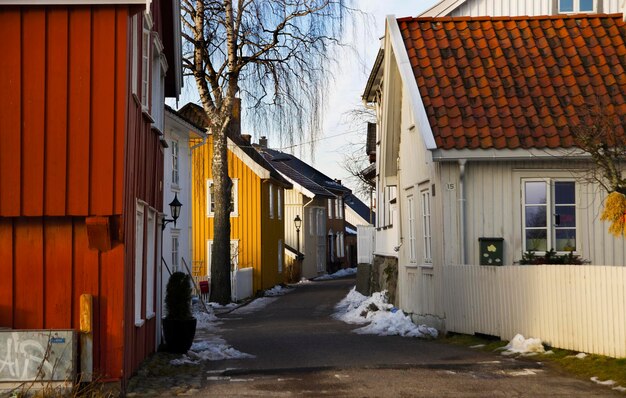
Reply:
x=384, y=276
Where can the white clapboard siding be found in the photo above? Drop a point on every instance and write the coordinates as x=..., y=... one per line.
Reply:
x=365, y=243
x=574, y=307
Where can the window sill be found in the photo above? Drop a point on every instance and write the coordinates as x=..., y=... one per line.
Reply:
x=411, y=265
x=150, y=316
x=140, y=323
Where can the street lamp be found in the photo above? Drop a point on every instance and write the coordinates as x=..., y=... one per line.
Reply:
x=298, y=223
x=175, y=206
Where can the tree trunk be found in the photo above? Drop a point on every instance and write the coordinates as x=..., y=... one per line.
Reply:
x=222, y=186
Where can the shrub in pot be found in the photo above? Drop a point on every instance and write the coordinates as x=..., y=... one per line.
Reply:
x=179, y=325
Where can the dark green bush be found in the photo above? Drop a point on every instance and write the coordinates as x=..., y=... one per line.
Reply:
x=178, y=296
x=550, y=257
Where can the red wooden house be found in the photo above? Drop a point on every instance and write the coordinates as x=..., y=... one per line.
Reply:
x=82, y=85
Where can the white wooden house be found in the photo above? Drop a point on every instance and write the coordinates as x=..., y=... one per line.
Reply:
x=177, y=183
x=474, y=142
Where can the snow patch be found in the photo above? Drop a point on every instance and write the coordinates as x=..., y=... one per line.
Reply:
x=277, y=290
x=596, y=380
x=382, y=318
x=620, y=389
x=521, y=345
x=255, y=305
x=339, y=274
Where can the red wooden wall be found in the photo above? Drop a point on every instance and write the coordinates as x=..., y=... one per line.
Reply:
x=73, y=144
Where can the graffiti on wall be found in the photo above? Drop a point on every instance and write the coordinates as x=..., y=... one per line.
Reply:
x=29, y=355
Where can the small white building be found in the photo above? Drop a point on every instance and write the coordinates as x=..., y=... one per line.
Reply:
x=177, y=183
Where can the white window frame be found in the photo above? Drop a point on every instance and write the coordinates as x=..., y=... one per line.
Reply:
x=427, y=227
x=139, y=246
x=410, y=203
x=337, y=212
x=150, y=262
x=279, y=199
x=175, y=248
x=281, y=251
x=271, y=200
x=146, y=64
x=134, y=73
x=576, y=7
x=159, y=69
x=234, y=259
x=234, y=194
x=312, y=221
x=175, y=163
x=331, y=204
x=550, y=205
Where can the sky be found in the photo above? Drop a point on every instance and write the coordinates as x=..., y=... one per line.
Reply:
x=338, y=135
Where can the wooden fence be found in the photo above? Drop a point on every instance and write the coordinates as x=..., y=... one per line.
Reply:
x=582, y=308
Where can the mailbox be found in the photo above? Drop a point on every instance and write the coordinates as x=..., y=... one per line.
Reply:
x=491, y=251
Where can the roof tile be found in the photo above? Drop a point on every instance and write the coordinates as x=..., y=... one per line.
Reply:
x=514, y=82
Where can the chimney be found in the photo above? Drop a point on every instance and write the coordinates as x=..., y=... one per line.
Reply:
x=247, y=138
x=263, y=142
x=338, y=181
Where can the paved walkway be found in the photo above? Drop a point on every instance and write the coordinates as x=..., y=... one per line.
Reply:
x=300, y=350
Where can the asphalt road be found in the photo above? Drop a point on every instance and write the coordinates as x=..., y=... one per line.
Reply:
x=300, y=350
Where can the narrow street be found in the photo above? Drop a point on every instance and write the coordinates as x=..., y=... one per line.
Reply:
x=300, y=350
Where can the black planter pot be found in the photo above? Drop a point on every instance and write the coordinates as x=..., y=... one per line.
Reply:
x=179, y=334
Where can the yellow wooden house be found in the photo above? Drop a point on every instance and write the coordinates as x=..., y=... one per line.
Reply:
x=257, y=216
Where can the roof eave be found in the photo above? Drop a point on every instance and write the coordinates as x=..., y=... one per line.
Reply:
x=375, y=77
x=492, y=154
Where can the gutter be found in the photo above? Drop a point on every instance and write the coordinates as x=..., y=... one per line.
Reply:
x=462, y=201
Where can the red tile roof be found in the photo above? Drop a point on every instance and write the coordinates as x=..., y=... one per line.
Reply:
x=515, y=82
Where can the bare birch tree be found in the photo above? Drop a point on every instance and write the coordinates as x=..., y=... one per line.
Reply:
x=273, y=54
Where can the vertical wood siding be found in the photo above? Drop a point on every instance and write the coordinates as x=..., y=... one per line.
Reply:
x=257, y=234
x=496, y=8
x=63, y=79
x=73, y=143
x=46, y=266
x=579, y=308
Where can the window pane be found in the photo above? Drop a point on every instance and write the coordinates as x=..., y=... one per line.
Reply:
x=535, y=216
x=536, y=240
x=566, y=216
x=564, y=193
x=565, y=240
x=566, y=6
x=586, y=5
x=535, y=192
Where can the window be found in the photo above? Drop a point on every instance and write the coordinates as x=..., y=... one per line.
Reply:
x=337, y=212
x=271, y=188
x=426, y=227
x=549, y=215
x=159, y=69
x=175, y=176
x=175, y=249
x=338, y=245
x=134, y=73
x=145, y=61
x=279, y=194
x=234, y=199
x=139, y=225
x=330, y=208
x=280, y=255
x=575, y=6
x=410, y=203
x=312, y=222
x=150, y=263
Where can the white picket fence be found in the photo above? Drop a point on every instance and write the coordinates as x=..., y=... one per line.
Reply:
x=575, y=307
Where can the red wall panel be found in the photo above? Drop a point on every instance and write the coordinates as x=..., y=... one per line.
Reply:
x=55, y=187
x=79, y=106
x=6, y=270
x=33, y=98
x=102, y=112
x=58, y=238
x=10, y=112
x=28, y=286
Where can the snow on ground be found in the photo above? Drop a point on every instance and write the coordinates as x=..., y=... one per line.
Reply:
x=596, y=380
x=209, y=346
x=339, y=274
x=255, y=305
x=277, y=290
x=521, y=345
x=382, y=318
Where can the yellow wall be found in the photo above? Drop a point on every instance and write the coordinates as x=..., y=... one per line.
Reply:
x=252, y=227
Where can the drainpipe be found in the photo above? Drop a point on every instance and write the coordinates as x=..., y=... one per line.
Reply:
x=462, y=210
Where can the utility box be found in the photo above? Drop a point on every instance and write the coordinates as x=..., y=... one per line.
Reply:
x=491, y=251
x=41, y=356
